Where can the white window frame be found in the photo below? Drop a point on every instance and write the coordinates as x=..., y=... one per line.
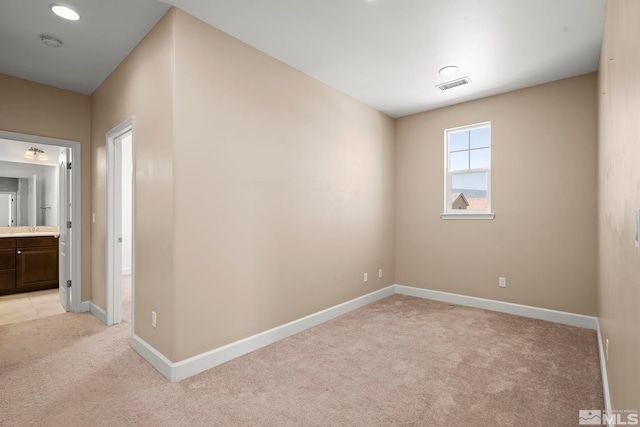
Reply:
x=448, y=212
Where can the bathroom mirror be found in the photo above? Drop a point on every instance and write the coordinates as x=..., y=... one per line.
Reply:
x=29, y=184
x=8, y=210
x=31, y=200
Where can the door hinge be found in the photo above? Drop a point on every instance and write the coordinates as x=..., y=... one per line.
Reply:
x=68, y=224
x=69, y=165
x=69, y=283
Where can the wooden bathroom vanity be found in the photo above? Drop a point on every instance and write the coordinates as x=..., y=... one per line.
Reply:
x=28, y=264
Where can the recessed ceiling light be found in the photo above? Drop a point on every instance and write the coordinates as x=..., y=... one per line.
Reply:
x=65, y=12
x=50, y=41
x=449, y=69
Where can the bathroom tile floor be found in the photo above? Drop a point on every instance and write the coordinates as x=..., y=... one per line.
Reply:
x=29, y=306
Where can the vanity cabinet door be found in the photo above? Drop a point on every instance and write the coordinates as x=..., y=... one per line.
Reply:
x=7, y=279
x=7, y=269
x=36, y=266
x=7, y=258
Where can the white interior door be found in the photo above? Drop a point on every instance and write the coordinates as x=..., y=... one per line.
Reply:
x=64, y=204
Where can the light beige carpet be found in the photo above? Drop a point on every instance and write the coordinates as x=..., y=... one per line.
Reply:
x=400, y=361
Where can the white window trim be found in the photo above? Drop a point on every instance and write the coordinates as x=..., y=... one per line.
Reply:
x=490, y=215
x=466, y=214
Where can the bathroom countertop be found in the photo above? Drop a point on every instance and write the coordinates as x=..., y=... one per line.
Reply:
x=39, y=231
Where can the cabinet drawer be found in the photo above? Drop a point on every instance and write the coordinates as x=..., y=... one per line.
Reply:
x=7, y=242
x=7, y=279
x=7, y=258
x=29, y=242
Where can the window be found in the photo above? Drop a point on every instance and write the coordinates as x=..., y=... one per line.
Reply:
x=468, y=172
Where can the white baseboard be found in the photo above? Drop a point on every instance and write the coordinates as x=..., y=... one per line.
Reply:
x=98, y=312
x=562, y=317
x=176, y=371
x=603, y=372
x=201, y=362
x=154, y=357
x=85, y=306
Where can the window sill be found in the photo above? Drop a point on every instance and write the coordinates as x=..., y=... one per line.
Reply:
x=467, y=215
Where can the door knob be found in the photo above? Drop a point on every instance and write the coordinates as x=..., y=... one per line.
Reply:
x=19, y=252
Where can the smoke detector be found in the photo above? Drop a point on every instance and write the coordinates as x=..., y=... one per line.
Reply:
x=454, y=83
x=50, y=41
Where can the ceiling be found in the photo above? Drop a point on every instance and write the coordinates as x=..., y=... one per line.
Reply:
x=385, y=53
x=92, y=47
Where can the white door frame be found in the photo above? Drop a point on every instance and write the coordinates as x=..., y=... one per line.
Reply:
x=76, y=207
x=114, y=225
x=64, y=262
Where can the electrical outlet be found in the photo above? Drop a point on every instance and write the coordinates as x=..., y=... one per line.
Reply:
x=366, y=277
x=154, y=319
x=502, y=282
x=380, y=274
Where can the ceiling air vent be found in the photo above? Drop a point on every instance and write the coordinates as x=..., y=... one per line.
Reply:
x=454, y=83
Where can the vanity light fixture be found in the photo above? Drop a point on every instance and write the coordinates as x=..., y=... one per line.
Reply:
x=36, y=153
x=64, y=12
x=449, y=69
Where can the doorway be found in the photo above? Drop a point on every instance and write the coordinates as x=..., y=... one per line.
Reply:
x=120, y=224
x=67, y=217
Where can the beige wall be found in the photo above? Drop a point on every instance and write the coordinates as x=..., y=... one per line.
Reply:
x=283, y=192
x=543, y=237
x=141, y=86
x=35, y=109
x=277, y=190
x=619, y=155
